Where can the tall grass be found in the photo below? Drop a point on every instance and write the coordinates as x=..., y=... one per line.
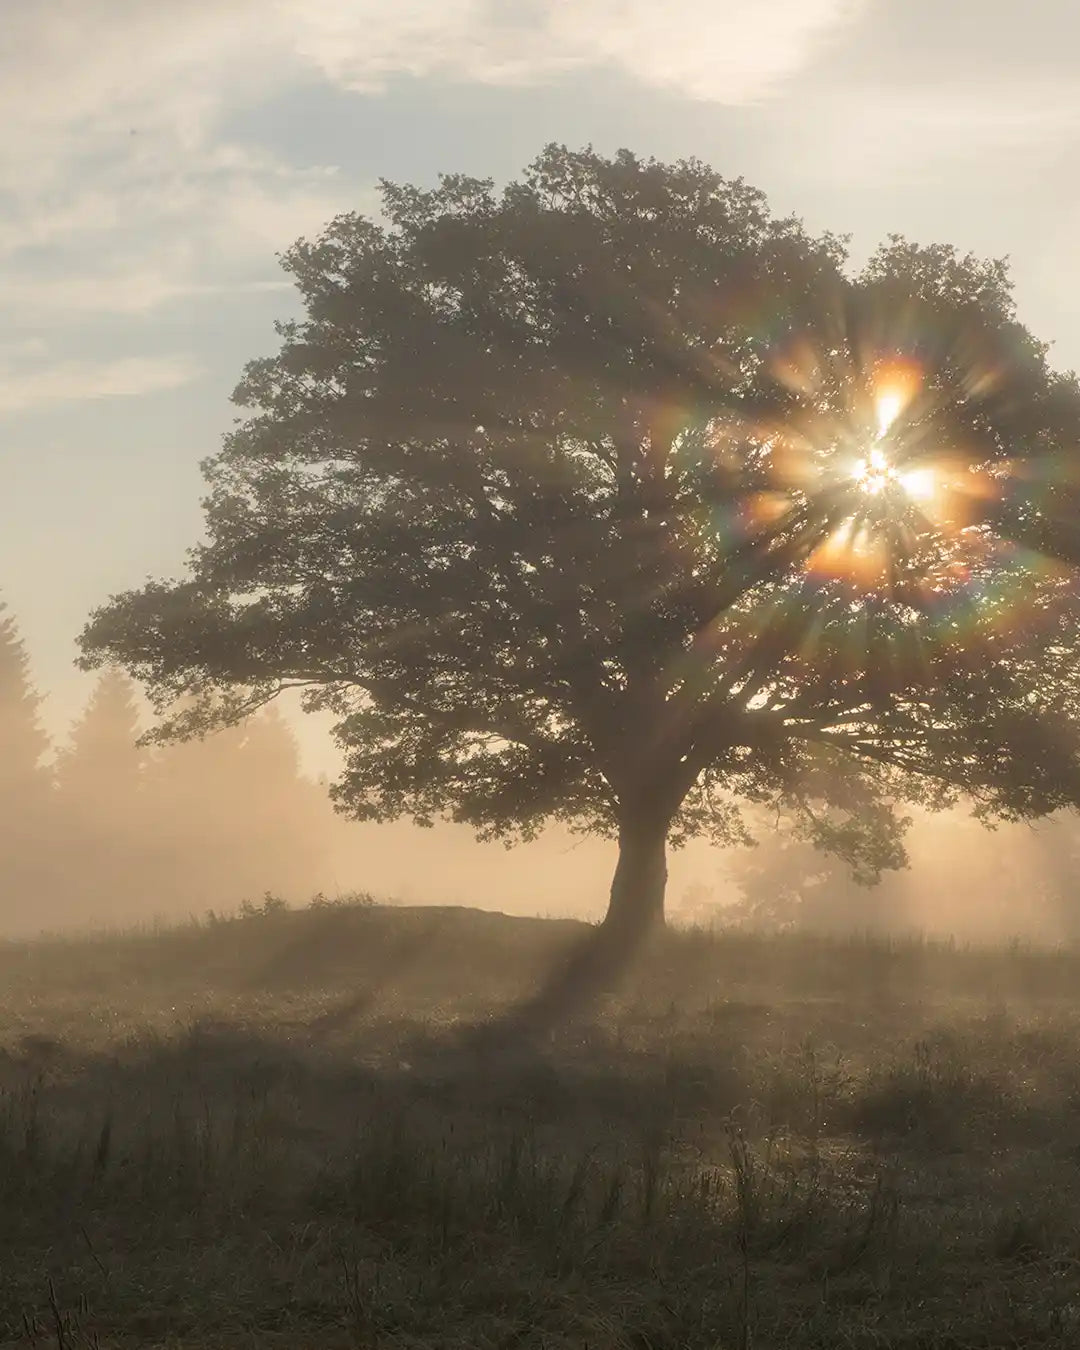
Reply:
x=282, y=1129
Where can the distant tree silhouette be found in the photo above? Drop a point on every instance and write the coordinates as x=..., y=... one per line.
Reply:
x=101, y=807
x=1053, y=873
x=231, y=816
x=284, y=819
x=26, y=819
x=778, y=881
x=787, y=882
x=964, y=881
x=103, y=760
x=613, y=499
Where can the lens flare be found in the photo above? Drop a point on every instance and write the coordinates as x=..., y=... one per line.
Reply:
x=892, y=389
x=885, y=446
x=890, y=404
x=919, y=484
x=874, y=473
x=894, y=386
x=853, y=552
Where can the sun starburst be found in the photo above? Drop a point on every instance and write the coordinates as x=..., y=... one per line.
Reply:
x=873, y=474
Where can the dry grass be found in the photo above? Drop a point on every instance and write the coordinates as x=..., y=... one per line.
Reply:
x=287, y=1130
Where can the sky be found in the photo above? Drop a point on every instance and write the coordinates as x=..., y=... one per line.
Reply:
x=155, y=158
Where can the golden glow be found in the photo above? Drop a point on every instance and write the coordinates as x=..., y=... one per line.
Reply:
x=851, y=551
x=889, y=406
x=891, y=455
x=919, y=484
x=894, y=385
x=874, y=473
x=894, y=389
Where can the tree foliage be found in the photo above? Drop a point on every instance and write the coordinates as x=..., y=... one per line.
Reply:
x=578, y=501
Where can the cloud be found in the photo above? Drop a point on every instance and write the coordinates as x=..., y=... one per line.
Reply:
x=734, y=52
x=82, y=74
x=124, y=197
x=99, y=79
x=25, y=387
x=157, y=229
x=91, y=77
x=48, y=299
x=119, y=194
x=893, y=134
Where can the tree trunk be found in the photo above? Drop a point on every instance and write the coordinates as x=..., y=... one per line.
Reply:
x=636, y=909
x=635, y=913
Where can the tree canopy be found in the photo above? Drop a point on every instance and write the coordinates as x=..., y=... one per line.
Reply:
x=613, y=498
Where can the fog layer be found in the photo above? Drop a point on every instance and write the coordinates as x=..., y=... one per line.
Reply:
x=98, y=831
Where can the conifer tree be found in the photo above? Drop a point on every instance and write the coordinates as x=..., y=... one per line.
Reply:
x=289, y=825
x=25, y=798
x=103, y=757
x=234, y=817
x=190, y=805
x=100, y=803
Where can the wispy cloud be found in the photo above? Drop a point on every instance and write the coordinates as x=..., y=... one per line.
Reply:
x=88, y=71
x=48, y=300
x=29, y=386
x=728, y=53
x=913, y=135
x=120, y=195
x=734, y=52
x=125, y=197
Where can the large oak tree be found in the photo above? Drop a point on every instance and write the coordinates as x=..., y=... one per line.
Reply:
x=613, y=499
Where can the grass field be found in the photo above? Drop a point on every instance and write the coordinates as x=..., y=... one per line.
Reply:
x=318, y=1129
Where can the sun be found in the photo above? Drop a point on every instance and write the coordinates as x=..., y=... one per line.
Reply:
x=874, y=473
x=895, y=481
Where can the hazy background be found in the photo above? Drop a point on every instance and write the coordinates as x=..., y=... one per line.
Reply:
x=153, y=158
x=97, y=831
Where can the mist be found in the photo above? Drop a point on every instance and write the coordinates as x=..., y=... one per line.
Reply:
x=98, y=831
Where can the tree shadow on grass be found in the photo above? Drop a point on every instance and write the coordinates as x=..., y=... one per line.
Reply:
x=575, y=988
x=400, y=959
